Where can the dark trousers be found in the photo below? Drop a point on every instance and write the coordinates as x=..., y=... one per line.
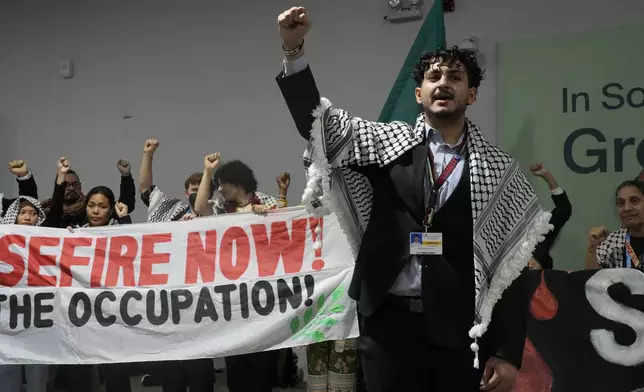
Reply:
x=397, y=356
x=196, y=374
x=256, y=372
x=75, y=378
x=117, y=377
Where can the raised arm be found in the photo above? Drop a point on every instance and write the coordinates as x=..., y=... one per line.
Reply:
x=55, y=214
x=596, y=256
x=128, y=190
x=283, y=182
x=202, y=203
x=145, y=174
x=26, y=183
x=346, y=140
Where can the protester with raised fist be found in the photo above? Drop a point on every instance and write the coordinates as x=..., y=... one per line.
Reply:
x=26, y=184
x=26, y=210
x=173, y=376
x=541, y=258
x=162, y=208
x=74, y=214
x=237, y=188
x=428, y=321
x=623, y=248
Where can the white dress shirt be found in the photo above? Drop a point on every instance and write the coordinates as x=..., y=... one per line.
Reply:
x=408, y=282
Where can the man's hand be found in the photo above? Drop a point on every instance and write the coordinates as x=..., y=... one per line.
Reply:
x=151, y=146
x=18, y=168
x=538, y=169
x=260, y=209
x=211, y=162
x=124, y=167
x=121, y=210
x=498, y=376
x=283, y=182
x=63, y=166
x=293, y=23
x=187, y=217
x=596, y=236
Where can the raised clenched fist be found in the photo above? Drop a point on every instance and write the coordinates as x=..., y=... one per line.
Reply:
x=121, y=210
x=63, y=166
x=293, y=24
x=211, y=162
x=151, y=146
x=538, y=169
x=283, y=182
x=123, y=166
x=596, y=236
x=18, y=168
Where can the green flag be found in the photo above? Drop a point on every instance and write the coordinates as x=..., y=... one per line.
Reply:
x=401, y=104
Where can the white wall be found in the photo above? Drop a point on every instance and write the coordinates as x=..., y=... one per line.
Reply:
x=199, y=76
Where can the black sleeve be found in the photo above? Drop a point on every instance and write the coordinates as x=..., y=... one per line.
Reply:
x=562, y=211
x=509, y=321
x=28, y=187
x=128, y=192
x=126, y=220
x=55, y=214
x=302, y=97
x=560, y=215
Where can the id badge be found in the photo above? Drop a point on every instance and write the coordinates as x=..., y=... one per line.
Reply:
x=425, y=243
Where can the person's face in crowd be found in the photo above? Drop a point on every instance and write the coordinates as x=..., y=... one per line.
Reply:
x=192, y=188
x=73, y=190
x=230, y=192
x=28, y=214
x=99, y=210
x=630, y=207
x=445, y=91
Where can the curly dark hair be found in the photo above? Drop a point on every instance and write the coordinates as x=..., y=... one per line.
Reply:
x=236, y=173
x=450, y=57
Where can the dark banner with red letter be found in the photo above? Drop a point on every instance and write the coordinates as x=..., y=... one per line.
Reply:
x=585, y=332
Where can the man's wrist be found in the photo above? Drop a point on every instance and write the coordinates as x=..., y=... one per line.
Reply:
x=126, y=174
x=25, y=177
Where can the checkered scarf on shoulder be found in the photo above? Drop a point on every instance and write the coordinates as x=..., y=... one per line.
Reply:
x=11, y=215
x=508, y=222
x=610, y=253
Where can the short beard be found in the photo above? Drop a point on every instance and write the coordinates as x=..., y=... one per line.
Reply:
x=446, y=117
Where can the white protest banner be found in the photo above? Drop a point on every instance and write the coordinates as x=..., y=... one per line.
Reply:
x=210, y=287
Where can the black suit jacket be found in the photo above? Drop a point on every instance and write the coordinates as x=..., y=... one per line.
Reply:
x=397, y=210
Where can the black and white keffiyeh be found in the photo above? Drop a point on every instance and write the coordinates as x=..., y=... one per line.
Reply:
x=610, y=253
x=11, y=215
x=163, y=208
x=508, y=221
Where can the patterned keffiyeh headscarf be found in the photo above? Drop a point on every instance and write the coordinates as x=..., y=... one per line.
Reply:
x=610, y=253
x=508, y=221
x=13, y=211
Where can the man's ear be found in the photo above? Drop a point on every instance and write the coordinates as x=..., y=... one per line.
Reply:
x=471, y=97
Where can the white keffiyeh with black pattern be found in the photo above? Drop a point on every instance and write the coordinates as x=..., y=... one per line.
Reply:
x=11, y=215
x=508, y=221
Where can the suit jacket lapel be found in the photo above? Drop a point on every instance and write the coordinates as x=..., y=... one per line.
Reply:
x=419, y=157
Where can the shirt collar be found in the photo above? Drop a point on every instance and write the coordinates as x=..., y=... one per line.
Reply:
x=435, y=137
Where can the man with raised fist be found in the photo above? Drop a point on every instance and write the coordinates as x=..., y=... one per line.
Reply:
x=435, y=317
x=26, y=184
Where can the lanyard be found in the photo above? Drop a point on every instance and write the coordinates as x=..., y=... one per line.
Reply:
x=631, y=257
x=438, y=183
